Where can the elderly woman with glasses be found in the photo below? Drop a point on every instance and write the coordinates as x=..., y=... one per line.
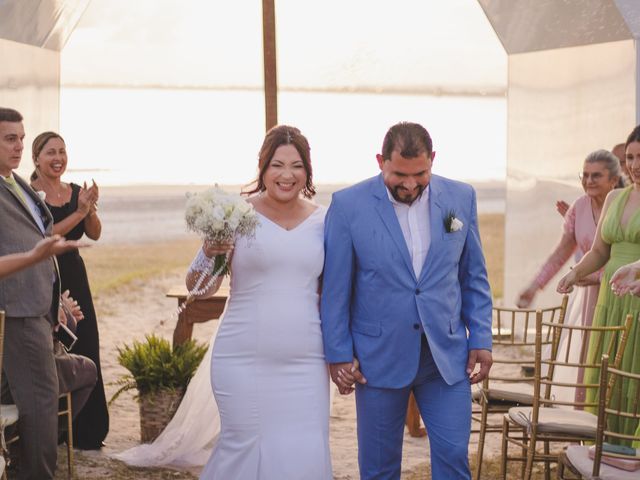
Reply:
x=600, y=174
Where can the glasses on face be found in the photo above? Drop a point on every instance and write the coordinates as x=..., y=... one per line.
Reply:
x=593, y=176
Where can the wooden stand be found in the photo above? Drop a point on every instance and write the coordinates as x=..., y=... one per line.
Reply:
x=198, y=311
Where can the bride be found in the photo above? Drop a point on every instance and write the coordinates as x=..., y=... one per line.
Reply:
x=270, y=416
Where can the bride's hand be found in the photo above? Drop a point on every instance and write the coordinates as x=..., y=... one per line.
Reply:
x=211, y=249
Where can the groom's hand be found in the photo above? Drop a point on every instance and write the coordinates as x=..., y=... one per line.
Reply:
x=344, y=375
x=484, y=358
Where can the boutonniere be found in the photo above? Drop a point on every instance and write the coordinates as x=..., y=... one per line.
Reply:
x=451, y=223
x=42, y=194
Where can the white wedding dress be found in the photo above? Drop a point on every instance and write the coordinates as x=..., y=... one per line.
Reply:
x=267, y=369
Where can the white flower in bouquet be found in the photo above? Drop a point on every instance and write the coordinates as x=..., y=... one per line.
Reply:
x=219, y=217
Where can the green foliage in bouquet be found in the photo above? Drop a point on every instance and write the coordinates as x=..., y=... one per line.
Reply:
x=220, y=262
x=154, y=365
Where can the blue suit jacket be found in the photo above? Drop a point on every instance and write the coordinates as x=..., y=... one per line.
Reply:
x=372, y=302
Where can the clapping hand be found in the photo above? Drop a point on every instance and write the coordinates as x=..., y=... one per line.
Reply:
x=88, y=199
x=344, y=375
x=625, y=280
x=72, y=306
x=54, y=245
x=68, y=305
x=562, y=207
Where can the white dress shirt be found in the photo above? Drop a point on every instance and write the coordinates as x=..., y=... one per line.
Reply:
x=414, y=222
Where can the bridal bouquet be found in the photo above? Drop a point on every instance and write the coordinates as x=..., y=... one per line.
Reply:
x=219, y=217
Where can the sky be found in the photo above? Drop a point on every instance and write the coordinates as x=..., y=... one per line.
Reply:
x=403, y=49
x=413, y=44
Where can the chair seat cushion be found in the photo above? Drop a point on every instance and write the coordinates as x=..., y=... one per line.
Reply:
x=557, y=420
x=578, y=455
x=8, y=415
x=508, y=393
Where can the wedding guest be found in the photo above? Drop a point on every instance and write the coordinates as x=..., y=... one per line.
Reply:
x=616, y=243
x=77, y=374
x=29, y=371
x=623, y=180
x=619, y=152
x=600, y=174
x=45, y=248
x=75, y=212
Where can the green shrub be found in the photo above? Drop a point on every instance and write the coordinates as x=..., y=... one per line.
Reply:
x=154, y=365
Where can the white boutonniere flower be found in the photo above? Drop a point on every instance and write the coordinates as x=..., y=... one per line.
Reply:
x=42, y=194
x=451, y=223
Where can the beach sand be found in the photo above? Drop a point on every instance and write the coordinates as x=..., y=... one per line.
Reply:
x=145, y=225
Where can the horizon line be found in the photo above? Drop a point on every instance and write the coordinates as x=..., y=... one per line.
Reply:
x=436, y=91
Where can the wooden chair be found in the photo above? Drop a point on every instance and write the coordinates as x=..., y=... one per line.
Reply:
x=510, y=382
x=619, y=401
x=412, y=421
x=555, y=420
x=8, y=413
x=65, y=409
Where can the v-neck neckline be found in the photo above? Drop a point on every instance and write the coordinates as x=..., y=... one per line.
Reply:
x=302, y=222
x=626, y=200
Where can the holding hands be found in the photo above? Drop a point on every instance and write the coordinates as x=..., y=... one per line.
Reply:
x=344, y=375
x=626, y=280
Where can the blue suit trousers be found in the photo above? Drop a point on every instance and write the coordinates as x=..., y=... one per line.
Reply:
x=445, y=410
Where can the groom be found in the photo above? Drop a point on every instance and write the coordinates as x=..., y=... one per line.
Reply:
x=405, y=292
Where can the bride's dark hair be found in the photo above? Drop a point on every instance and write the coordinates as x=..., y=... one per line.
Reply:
x=276, y=137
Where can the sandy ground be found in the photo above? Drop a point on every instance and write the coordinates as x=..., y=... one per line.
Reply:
x=139, y=215
x=132, y=315
x=145, y=310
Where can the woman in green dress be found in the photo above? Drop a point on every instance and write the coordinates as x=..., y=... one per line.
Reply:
x=617, y=243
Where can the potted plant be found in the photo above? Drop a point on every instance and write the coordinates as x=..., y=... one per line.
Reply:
x=161, y=374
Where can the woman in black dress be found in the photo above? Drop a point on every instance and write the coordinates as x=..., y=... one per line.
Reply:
x=74, y=210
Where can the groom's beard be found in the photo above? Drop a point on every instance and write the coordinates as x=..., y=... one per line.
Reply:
x=404, y=195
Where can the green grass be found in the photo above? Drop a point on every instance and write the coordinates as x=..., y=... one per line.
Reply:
x=492, y=235
x=112, y=267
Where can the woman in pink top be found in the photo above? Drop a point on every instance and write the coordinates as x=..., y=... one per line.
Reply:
x=600, y=174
